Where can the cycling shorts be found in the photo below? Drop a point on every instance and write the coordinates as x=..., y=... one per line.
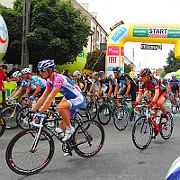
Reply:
x=76, y=103
x=175, y=89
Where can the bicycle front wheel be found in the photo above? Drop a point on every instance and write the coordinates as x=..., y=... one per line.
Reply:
x=120, y=118
x=92, y=109
x=22, y=160
x=2, y=126
x=22, y=119
x=104, y=114
x=9, y=115
x=142, y=133
x=89, y=139
x=166, y=126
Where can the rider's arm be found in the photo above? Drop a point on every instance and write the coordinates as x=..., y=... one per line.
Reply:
x=50, y=99
x=128, y=87
x=116, y=89
x=110, y=89
x=139, y=97
x=91, y=88
x=16, y=93
x=99, y=90
x=37, y=90
x=85, y=85
x=15, y=90
x=41, y=100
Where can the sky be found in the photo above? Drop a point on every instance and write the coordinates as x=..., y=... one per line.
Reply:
x=110, y=12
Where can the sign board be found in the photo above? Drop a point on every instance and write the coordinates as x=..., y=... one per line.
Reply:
x=150, y=47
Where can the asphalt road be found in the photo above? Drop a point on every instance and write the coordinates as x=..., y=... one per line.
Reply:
x=119, y=159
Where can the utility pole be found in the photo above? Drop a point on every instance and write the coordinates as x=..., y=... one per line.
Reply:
x=25, y=29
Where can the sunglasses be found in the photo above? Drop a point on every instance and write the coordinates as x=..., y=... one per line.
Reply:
x=42, y=70
x=114, y=71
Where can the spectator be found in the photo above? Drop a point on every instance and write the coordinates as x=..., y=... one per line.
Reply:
x=67, y=73
x=2, y=76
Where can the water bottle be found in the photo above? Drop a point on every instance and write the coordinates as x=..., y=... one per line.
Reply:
x=114, y=105
x=157, y=120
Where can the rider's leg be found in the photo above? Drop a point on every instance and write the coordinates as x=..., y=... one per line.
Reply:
x=160, y=103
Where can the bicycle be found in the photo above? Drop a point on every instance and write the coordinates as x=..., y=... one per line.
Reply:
x=2, y=126
x=27, y=154
x=145, y=125
x=93, y=106
x=9, y=113
x=175, y=103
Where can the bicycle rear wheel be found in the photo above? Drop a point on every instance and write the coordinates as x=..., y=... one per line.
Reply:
x=142, y=133
x=104, y=114
x=22, y=119
x=89, y=139
x=166, y=126
x=9, y=115
x=2, y=126
x=120, y=118
x=22, y=160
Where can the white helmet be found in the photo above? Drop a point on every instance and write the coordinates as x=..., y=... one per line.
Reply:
x=75, y=73
x=26, y=71
x=173, y=75
x=16, y=74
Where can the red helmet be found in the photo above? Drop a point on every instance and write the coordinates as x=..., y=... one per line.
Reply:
x=145, y=71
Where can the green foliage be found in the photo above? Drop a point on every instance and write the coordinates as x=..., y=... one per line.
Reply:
x=163, y=73
x=173, y=64
x=91, y=59
x=57, y=31
x=127, y=68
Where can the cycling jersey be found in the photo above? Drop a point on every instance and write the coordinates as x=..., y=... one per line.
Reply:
x=37, y=80
x=89, y=83
x=124, y=78
x=105, y=83
x=67, y=87
x=152, y=85
x=174, y=83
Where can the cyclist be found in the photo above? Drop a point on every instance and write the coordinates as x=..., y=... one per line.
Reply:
x=73, y=98
x=174, y=84
x=87, y=84
x=152, y=84
x=106, y=85
x=95, y=83
x=36, y=85
x=77, y=77
x=21, y=85
x=129, y=84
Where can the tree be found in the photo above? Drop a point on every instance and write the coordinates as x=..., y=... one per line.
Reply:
x=173, y=64
x=57, y=31
x=91, y=60
x=162, y=74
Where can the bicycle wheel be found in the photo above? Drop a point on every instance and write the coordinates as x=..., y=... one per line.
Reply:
x=88, y=141
x=166, y=126
x=174, y=106
x=9, y=115
x=92, y=109
x=19, y=155
x=2, y=126
x=22, y=119
x=104, y=114
x=120, y=118
x=142, y=133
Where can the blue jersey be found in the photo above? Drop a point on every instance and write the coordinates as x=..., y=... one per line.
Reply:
x=37, y=80
x=174, y=83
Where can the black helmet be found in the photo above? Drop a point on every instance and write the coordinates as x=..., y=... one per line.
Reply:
x=100, y=73
x=145, y=71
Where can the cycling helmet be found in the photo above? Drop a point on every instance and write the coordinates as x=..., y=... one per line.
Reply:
x=145, y=71
x=76, y=73
x=16, y=74
x=95, y=74
x=46, y=64
x=26, y=71
x=117, y=69
x=100, y=73
x=173, y=75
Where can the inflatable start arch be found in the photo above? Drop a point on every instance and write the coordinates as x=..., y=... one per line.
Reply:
x=135, y=32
